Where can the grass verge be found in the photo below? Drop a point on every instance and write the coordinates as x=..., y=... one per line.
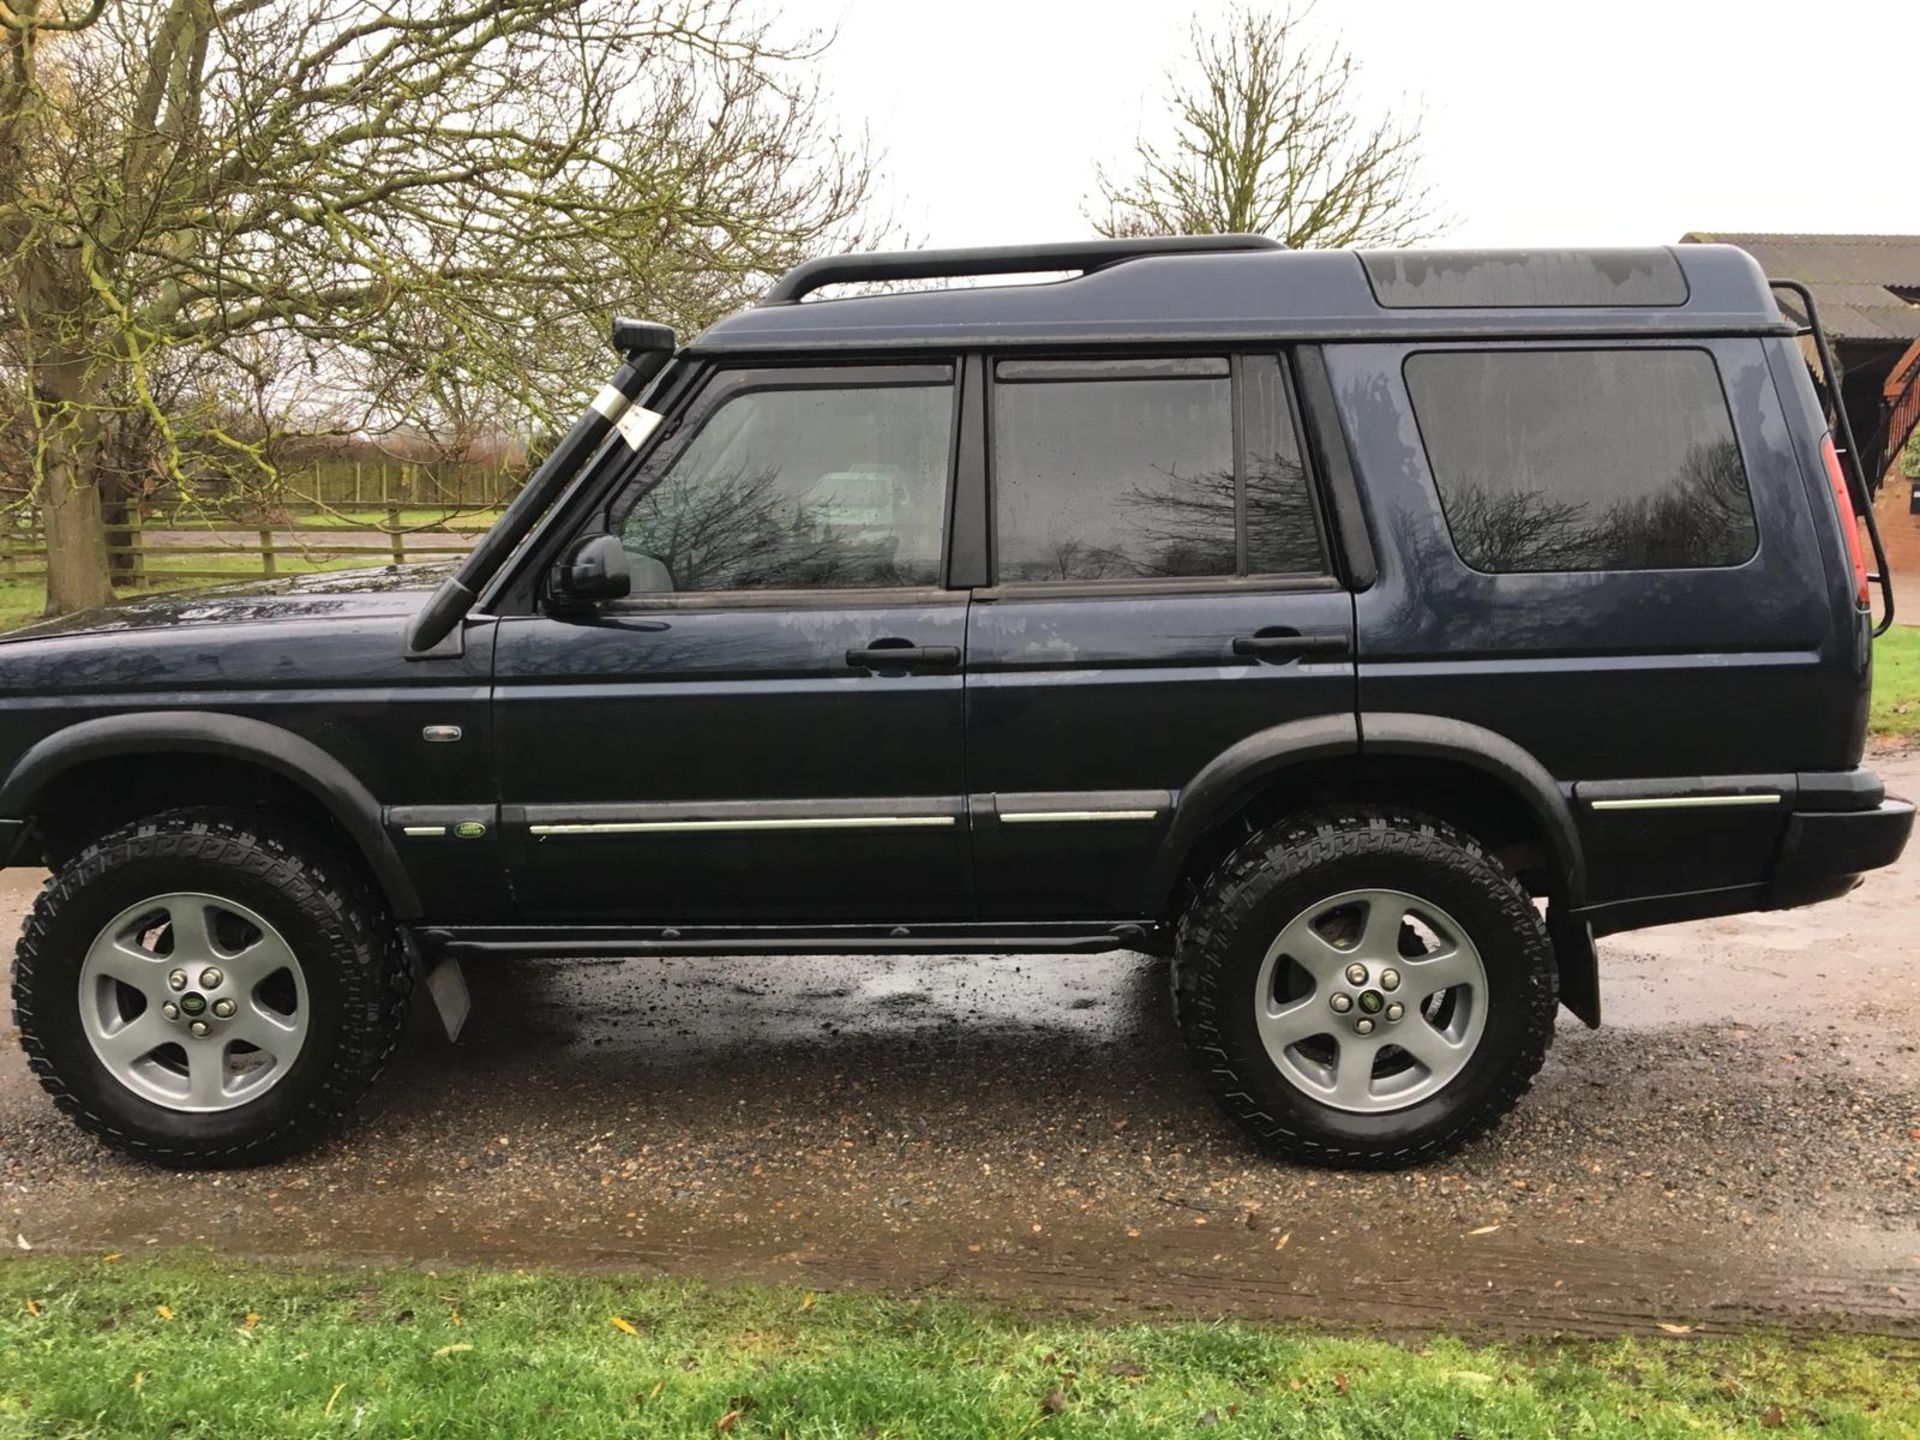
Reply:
x=1896, y=682
x=189, y=1346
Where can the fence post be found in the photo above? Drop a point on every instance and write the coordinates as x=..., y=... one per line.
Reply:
x=356, y=482
x=399, y=540
x=136, y=545
x=266, y=552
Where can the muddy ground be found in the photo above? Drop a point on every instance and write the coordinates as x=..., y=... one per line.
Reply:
x=1741, y=1142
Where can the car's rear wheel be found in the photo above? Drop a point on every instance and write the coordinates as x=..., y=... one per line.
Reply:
x=1366, y=989
x=205, y=988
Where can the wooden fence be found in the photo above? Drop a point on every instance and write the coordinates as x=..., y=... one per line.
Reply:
x=465, y=484
x=267, y=547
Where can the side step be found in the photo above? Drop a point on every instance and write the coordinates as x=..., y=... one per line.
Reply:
x=636, y=941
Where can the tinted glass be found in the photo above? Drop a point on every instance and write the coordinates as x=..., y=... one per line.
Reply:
x=1584, y=459
x=1441, y=279
x=1114, y=479
x=801, y=489
x=1283, y=535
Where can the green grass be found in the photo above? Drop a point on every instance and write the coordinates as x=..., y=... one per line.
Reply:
x=1896, y=682
x=189, y=1346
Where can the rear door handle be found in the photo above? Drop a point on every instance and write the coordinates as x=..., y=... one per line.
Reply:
x=891, y=655
x=1281, y=644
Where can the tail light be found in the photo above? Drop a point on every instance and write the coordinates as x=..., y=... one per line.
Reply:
x=1849, y=521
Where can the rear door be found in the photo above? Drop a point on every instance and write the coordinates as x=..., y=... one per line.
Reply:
x=769, y=729
x=1161, y=590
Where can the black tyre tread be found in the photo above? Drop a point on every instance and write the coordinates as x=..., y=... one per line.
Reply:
x=310, y=871
x=1289, y=847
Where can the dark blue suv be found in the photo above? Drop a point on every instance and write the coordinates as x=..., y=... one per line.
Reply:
x=1367, y=631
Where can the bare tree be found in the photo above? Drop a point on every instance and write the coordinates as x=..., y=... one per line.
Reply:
x=341, y=214
x=1266, y=141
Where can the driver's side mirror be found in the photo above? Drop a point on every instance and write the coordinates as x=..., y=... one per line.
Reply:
x=594, y=568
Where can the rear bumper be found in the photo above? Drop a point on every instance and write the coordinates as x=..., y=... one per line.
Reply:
x=1812, y=842
x=1825, y=852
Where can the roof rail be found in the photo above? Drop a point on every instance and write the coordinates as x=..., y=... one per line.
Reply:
x=1081, y=255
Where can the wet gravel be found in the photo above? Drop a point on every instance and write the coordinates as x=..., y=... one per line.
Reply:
x=1741, y=1141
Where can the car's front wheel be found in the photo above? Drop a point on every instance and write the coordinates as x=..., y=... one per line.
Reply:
x=203, y=987
x=1365, y=989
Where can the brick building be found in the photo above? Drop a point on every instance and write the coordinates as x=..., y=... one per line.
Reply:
x=1868, y=291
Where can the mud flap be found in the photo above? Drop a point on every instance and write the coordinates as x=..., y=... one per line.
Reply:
x=1579, y=965
x=447, y=984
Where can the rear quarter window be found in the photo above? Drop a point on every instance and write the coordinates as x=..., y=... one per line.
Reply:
x=1596, y=459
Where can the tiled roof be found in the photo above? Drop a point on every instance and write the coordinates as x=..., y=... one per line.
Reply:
x=1855, y=278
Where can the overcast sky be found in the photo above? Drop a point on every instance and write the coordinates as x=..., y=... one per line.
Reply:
x=1616, y=122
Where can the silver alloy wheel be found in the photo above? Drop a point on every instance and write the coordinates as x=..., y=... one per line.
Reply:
x=193, y=1002
x=1371, y=1000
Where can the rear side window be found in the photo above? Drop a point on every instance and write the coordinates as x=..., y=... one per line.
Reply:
x=1584, y=459
x=1149, y=469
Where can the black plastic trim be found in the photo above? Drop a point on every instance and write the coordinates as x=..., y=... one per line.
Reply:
x=666, y=812
x=1821, y=847
x=1035, y=802
x=968, y=523
x=1643, y=911
x=1684, y=786
x=980, y=938
x=1332, y=460
x=1579, y=964
x=1082, y=255
x=237, y=737
x=1117, y=589
x=1839, y=790
x=1232, y=778
x=1434, y=737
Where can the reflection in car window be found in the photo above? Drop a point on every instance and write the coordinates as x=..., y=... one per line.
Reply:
x=1131, y=475
x=1584, y=459
x=1282, y=535
x=1114, y=479
x=802, y=489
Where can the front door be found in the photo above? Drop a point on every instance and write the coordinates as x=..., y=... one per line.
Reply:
x=1163, y=591
x=770, y=728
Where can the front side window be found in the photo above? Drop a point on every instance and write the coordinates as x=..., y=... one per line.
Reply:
x=1126, y=470
x=1584, y=459
x=803, y=488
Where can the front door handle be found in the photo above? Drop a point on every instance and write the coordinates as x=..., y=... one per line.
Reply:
x=1277, y=644
x=903, y=655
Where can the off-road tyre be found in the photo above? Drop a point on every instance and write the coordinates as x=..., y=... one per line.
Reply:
x=1276, y=874
x=357, y=974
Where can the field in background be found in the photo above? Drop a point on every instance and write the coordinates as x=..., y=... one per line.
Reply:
x=112, y=1346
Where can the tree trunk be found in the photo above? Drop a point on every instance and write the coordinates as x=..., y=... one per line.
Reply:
x=70, y=506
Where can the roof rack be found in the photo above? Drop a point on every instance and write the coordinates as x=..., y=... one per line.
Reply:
x=1082, y=255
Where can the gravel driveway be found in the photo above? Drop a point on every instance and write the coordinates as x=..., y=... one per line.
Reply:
x=1741, y=1142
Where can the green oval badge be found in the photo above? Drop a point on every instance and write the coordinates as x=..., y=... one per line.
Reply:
x=470, y=829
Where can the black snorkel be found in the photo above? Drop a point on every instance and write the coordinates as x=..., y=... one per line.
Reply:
x=646, y=349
